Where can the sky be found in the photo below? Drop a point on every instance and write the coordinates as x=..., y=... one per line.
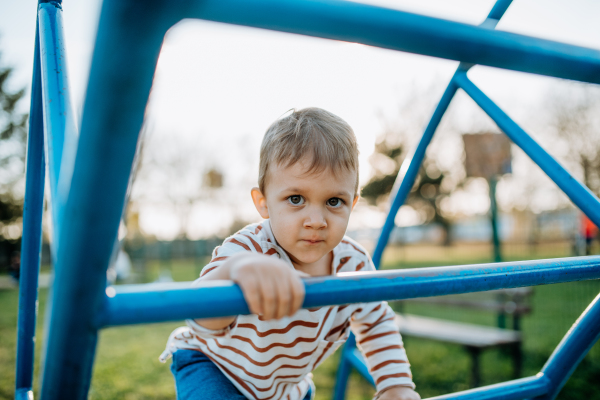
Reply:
x=218, y=87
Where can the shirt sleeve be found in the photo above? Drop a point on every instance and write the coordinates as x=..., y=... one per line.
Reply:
x=241, y=241
x=378, y=338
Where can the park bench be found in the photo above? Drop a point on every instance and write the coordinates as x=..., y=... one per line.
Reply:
x=474, y=338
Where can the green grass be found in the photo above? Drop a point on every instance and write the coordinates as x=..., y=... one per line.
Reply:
x=127, y=365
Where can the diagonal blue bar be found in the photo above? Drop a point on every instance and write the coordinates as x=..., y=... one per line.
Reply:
x=221, y=298
x=577, y=192
x=413, y=33
x=32, y=236
x=584, y=333
x=409, y=171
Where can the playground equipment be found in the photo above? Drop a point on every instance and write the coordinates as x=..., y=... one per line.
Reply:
x=89, y=176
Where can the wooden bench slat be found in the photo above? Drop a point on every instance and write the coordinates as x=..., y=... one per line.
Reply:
x=455, y=332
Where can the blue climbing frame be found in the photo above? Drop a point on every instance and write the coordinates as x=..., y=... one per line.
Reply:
x=89, y=175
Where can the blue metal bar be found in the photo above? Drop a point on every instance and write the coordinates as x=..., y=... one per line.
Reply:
x=123, y=65
x=398, y=30
x=584, y=333
x=31, y=241
x=344, y=369
x=409, y=171
x=577, y=192
x=357, y=360
x=59, y=119
x=499, y=9
x=524, y=388
x=221, y=298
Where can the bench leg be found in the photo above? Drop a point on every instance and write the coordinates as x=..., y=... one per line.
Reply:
x=475, y=375
x=517, y=360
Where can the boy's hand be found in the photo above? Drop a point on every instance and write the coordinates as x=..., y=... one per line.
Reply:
x=271, y=288
x=399, y=393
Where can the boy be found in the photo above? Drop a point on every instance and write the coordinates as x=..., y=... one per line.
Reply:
x=308, y=185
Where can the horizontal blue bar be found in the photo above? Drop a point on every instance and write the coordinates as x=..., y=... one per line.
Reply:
x=577, y=192
x=222, y=298
x=524, y=388
x=398, y=30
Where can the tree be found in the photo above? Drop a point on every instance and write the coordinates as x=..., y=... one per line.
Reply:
x=426, y=195
x=575, y=120
x=13, y=135
x=434, y=183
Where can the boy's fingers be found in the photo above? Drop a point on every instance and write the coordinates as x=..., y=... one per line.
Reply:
x=251, y=290
x=284, y=295
x=268, y=293
x=297, y=295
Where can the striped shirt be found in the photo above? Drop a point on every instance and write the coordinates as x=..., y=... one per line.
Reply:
x=273, y=359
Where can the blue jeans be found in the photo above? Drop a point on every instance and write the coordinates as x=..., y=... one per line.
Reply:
x=196, y=377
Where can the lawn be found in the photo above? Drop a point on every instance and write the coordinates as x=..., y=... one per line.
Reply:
x=127, y=365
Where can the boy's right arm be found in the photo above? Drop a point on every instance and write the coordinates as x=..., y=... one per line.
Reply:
x=272, y=288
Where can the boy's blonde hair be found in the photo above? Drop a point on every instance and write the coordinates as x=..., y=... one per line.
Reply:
x=326, y=139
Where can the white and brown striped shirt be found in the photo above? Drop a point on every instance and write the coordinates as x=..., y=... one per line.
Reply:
x=273, y=359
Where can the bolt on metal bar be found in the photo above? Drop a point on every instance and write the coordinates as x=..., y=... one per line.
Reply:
x=223, y=298
x=577, y=192
x=31, y=241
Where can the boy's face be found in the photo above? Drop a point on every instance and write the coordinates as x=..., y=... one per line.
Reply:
x=309, y=212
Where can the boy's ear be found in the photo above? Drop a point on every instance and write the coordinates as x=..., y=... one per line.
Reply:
x=260, y=202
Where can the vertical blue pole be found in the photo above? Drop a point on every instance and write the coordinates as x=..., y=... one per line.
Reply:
x=60, y=129
x=344, y=369
x=32, y=236
x=127, y=46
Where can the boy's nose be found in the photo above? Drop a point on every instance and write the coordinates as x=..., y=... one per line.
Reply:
x=315, y=220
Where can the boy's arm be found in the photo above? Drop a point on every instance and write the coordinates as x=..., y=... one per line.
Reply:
x=378, y=338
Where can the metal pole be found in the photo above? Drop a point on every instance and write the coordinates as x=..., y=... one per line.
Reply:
x=60, y=128
x=123, y=66
x=409, y=171
x=577, y=192
x=403, y=31
x=584, y=333
x=493, y=181
x=32, y=236
x=134, y=305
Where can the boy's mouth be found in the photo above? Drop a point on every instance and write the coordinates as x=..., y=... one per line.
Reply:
x=313, y=241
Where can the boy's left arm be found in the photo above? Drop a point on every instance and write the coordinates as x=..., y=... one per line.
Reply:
x=378, y=338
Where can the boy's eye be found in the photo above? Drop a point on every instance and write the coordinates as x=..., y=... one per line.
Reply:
x=334, y=202
x=296, y=200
